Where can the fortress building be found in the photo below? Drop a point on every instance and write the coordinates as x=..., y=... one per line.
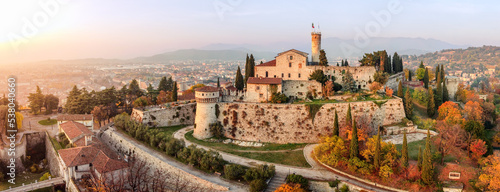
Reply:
x=206, y=99
x=315, y=46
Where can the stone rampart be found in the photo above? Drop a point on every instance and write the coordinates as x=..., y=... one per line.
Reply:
x=183, y=114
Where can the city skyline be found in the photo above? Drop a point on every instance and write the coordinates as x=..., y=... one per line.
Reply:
x=42, y=30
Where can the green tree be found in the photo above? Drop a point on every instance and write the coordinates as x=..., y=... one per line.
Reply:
x=419, y=160
x=51, y=103
x=437, y=72
x=439, y=92
x=348, y=119
x=395, y=63
x=441, y=71
x=376, y=158
x=348, y=83
x=354, y=149
x=323, y=61
x=238, y=82
x=218, y=83
x=421, y=66
x=409, y=75
x=36, y=101
x=319, y=76
x=163, y=84
x=404, y=152
x=170, y=84
x=408, y=103
x=426, y=79
x=381, y=77
x=134, y=89
x=446, y=96
x=400, y=89
x=427, y=167
x=336, y=130
x=247, y=67
x=431, y=107
x=174, y=92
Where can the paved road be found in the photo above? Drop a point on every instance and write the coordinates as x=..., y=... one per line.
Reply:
x=41, y=184
x=317, y=172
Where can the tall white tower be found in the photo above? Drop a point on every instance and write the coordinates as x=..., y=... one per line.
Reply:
x=206, y=99
x=315, y=46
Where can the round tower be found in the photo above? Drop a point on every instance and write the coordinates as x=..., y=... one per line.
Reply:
x=206, y=99
x=315, y=46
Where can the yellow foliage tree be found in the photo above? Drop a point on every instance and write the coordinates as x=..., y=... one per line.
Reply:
x=450, y=113
x=388, y=152
x=490, y=174
x=19, y=121
x=331, y=150
x=290, y=187
x=473, y=111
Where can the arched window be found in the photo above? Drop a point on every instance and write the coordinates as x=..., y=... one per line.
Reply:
x=290, y=64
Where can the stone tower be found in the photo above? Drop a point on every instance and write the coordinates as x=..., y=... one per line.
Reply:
x=315, y=46
x=206, y=99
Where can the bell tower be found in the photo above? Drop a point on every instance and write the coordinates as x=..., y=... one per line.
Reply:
x=315, y=46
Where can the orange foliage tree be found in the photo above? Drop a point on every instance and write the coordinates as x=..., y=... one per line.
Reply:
x=375, y=86
x=490, y=174
x=450, y=113
x=450, y=138
x=389, y=91
x=290, y=187
x=478, y=149
x=473, y=111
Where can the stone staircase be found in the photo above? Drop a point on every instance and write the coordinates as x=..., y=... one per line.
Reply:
x=276, y=182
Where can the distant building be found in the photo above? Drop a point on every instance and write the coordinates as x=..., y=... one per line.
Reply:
x=77, y=133
x=85, y=119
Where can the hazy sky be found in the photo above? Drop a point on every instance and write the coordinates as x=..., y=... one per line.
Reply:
x=33, y=30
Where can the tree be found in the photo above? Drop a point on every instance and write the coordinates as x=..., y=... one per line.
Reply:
x=404, y=152
x=141, y=102
x=381, y=77
x=388, y=91
x=446, y=96
x=174, y=92
x=247, y=63
x=475, y=128
x=36, y=101
x=192, y=88
x=238, y=83
x=409, y=75
x=439, y=92
x=348, y=83
x=441, y=71
x=336, y=129
x=431, y=108
x=376, y=158
x=478, y=149
x=290, y=187
x=298, y=179
x=51, y=103
x=233, y=171
x=319, y=76
x=218, y=82
x=450, y=137
x=375, y=86
x=473, y=111
x=419, y=160
x=348, y=119
x=257, y=185
x=437, y=72
x=427, y=167
x=163, y=84
x=408, y=104
x=163, y=98
x=99, y=113
x=489, y=178
x=134, y=89
x=323, y=61
x=400, y=89
x=354, y=148
x=251, y=68
x=450, y=113
x=426, y=79
x=420, y=74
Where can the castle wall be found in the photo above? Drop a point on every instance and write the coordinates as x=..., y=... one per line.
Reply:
x=205, y=115
x=362, y=75
x=291, y=123
x=299, y=89
x=161, y=117
x=394, y=80
x=260, y=92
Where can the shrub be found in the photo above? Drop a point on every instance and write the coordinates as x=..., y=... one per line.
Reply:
x=234, y=171
x=257, y=185
x=45, y=176
x=344, y=188
x=334, y=183
x=260, y=172
x=298, y=179
x=217, y=130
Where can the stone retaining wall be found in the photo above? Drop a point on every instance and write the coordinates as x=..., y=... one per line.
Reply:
x=162, y=117
x=52, y=158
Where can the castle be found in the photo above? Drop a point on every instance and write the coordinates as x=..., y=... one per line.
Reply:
x=245, y=117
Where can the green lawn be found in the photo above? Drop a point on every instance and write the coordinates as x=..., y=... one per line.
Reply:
x=56, y=144
x=47, y=122
x=293, y=158
x=168, y=130
x=25, y=178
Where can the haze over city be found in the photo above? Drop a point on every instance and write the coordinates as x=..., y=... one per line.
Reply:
x=129, y=29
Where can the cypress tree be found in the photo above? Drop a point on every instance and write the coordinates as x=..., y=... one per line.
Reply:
x=251, y=66
x=404, y=152
x=427, y=167
x=442, y=73
x=439, y=92
x=395, y=62
x=218, y=83
x=421, y=65
x=323, y=60
x=408, y=104
x=400, y=89
x=247, y=67
x=354, y=150
x=163, y=84
x=389, y=64
x=446, y=96
x=437, y=72
x=409, y=75
x=348, y=119
x=431, y=106
x=426, y=79
x=238, y=82
x=336, y=125
x=174, y=91
x=346, y=63
x=376, y=158
x=419, y=162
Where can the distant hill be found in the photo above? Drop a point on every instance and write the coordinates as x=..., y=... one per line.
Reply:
x=470, y=59
x=333, y=46
x=197, y=54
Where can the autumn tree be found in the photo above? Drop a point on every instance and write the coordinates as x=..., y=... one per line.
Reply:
x=451, y=137
x=408, y=104
x=162, y=98
x=376, y=158
x=389, y=91
x=336, y=125
x=419, y=160
x=100, y=113
x=431, y=108
x=400, y=89
x=290, y=187
x=450, y=113
x=489, y=178
x=478, y=149
x=473, y=111
x=375, y=86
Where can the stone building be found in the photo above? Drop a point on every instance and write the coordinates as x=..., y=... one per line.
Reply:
x=206, y=101
x=452, y=86
x=260, y=89
x=85, y=119
x=78, y=134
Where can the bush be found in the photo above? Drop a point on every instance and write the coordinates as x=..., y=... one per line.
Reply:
x=298, y=179
x=34, y=168
x=334, y=183
x=45, y=176
x=278, y=98
x=257, y=185
x=217, y=130
x=260, y=172
x=234, y=171
x=344, y=188
x=172, y=146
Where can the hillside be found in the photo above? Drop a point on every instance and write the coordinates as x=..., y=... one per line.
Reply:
x=468, y=60
x=196, y=54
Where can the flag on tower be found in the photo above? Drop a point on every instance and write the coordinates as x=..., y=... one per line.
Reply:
x=313, y=25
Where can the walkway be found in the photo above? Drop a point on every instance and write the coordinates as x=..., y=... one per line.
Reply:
x=39, y=185
x=317, y=172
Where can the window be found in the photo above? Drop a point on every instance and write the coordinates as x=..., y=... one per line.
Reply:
x=257, y=87
x=274, y=76
x=290, y=64
x=76, y=168
x=267, y=74
x=90, y=164
x=282, y=75
x=261, y=95
x=291, y=57
x=203, y=94
x=299, y=75
x=289, y=75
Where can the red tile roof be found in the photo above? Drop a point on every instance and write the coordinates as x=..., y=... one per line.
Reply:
x=101, y=157
x=74, y=129
x=231, y=88
x=267, y=64
x=207, y=89
x=186, y=95
x=74, y=117
x=295, y=51
x=265, y=80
